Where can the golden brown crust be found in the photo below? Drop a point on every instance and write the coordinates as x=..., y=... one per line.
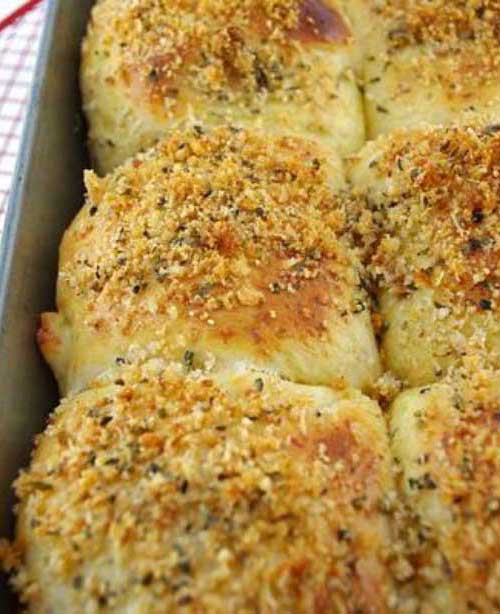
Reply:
x=429, y=61
x=282, y=65
x=164, y=487
x=209, y=43
x=320, y=22
x=447, y=439
x=232, y=242
x=235, y=492
x=447, y=27
x=448, y=180
x=433, y=237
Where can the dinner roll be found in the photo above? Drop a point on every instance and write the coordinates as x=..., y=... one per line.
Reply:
x=227, y=245
x=434, y=196
x=446, y=438
x=235, y=492
x=283, y=66
x=433, y=61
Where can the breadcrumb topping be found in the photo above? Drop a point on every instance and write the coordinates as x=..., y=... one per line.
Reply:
x=239, y=52
x=171, y=489
x=204, y=224
x=437, y=216
x=455, y=481
x=463, y=34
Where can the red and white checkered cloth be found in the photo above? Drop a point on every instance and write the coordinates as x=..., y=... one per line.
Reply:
x=20, y=29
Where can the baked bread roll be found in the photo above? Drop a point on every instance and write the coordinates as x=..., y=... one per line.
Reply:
x=236, y=492
x=446, y=438
x=152, y=66
x=227, y=246
x=432, y=61
x=434, y=197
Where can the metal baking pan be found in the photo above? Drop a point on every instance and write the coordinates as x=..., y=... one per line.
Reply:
x=47, y=191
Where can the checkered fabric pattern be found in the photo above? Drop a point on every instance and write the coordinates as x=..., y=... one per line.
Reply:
x=18, y=50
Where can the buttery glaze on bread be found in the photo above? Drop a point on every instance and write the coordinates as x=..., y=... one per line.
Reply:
x=446, y=438
x=434, y=243
x=160, y=490
x=283, y=66
x=428, y=61
x=227, y=245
